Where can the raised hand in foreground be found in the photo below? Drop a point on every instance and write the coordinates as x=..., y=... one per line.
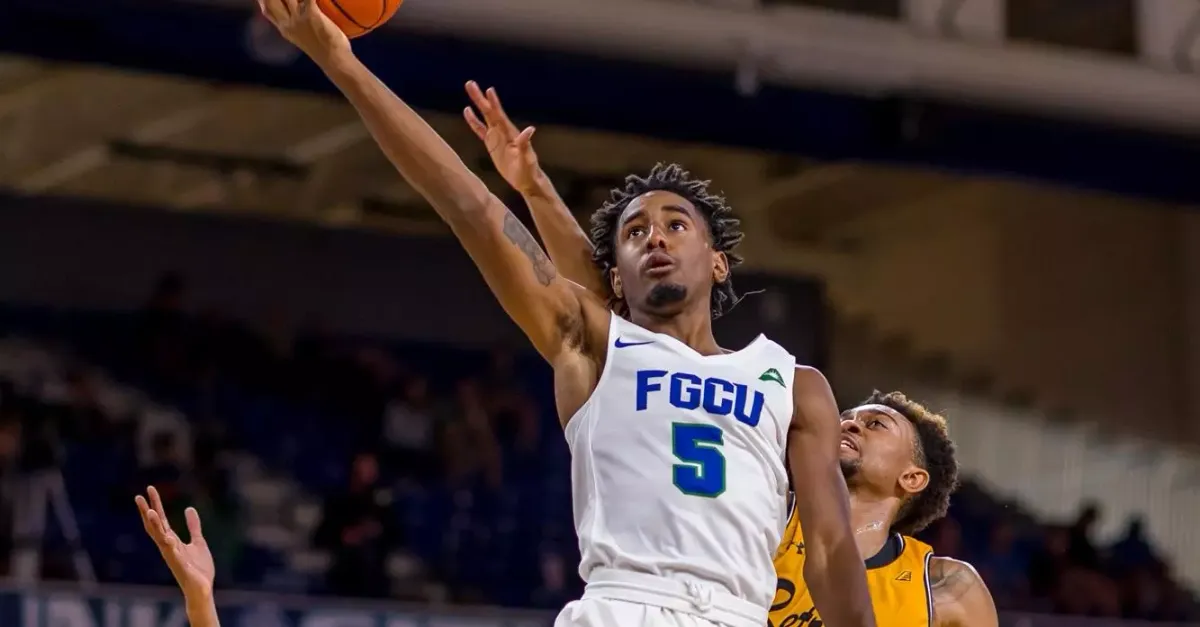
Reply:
x=509, y=147
x=191, y=563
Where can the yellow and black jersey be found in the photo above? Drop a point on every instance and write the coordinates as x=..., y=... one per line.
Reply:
x=897, y=578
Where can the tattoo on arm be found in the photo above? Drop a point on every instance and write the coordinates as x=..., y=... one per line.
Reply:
x=516, y=233
x=949, y=580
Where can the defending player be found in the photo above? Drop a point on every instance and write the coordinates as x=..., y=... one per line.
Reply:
x=677, y=446
x=899, y=463
x=897, y=456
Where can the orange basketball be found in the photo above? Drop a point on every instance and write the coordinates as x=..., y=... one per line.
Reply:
x=359, y=17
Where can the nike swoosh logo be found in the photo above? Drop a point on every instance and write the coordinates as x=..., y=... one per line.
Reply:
x=620, y=344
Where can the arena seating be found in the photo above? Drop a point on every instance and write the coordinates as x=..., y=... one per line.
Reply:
x=267, y=437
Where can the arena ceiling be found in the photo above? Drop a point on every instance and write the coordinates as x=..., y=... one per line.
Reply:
x=187, y=145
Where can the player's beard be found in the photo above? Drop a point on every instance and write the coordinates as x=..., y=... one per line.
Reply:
x=850, y=469
x=665, y=294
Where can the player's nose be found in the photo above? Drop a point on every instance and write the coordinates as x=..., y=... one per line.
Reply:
x=657, y=238
x=851, y=426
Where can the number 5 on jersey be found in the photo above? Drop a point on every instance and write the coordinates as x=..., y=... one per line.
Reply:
x=701, y=471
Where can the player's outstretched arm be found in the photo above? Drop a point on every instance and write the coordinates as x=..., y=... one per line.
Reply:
x=833, y=568
x=960, y=598
x=191, y=563
x=546, y=307
x=511, y=150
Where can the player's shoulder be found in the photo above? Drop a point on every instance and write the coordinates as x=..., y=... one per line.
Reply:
x=945, y=571
x=807, y=380
x=808, y=375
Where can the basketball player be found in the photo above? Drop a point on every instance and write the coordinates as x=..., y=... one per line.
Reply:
x=899, y=463
x=897, y=456
x=678, y=447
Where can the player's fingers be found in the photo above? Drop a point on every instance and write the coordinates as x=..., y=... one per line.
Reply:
x=526, y=136
x=157, y=504
x=501, y=115
x=289, y=7
x=193, y=524
x=145, y=511
x=477, y=97
x=273, y=10
x=154, y=529
x=477, y=126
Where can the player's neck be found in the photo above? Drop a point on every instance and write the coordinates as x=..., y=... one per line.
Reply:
x=691, y=328
x=871, y=520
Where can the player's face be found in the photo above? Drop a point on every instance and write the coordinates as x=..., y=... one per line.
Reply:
x=877, y=450
x=665, y=258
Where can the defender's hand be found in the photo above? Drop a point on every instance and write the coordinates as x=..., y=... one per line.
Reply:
x=511, y=149
x=302, y=23
x=190, y=563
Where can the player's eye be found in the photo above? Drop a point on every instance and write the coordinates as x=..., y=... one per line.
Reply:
x=678, y=225
x=637, y=231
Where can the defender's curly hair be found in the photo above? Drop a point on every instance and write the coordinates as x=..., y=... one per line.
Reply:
x=933, y=451
x=672, y=178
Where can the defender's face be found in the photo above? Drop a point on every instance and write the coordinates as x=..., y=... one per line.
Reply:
x=664, y=255
x=876, y=447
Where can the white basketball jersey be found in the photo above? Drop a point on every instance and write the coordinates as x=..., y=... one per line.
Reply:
x=678, y=462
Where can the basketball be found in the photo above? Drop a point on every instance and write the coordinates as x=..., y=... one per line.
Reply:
x=359, y=17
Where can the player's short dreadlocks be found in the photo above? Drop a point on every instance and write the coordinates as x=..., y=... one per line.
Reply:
x=672, y=178
x=934, y=451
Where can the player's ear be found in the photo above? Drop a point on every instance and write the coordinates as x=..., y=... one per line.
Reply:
x=914, y=480
x=614, y=279
x=720, y=267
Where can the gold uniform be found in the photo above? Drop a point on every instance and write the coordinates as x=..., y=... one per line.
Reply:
x=897, y=578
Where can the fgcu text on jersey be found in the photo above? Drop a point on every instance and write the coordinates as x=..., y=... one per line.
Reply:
x=687, y=391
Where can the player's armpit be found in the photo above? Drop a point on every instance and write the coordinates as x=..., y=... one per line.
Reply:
x=548, y=309
x=960, y=597
x=833, y=568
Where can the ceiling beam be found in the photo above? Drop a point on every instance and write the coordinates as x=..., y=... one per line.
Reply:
x=89, y=158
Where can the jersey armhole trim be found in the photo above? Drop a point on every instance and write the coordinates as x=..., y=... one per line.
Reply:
x=929, y=588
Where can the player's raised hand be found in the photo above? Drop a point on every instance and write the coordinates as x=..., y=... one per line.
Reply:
x=302, y=23
x=511, y=149
x=191, y=563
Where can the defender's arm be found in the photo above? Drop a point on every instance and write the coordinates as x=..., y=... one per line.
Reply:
x=569, y=246
x=546, y=307
x=833, y=568
x=960, y=597
x=511, y=151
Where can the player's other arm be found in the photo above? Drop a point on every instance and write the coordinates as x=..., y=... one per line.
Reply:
x=960, y=598
x=546, y=307
x=190, y=563
x=511, y=150
x=833, y=568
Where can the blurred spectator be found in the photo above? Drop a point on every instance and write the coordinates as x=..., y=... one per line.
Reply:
x=1133, y=550
x=553, y=593
x=358, y=529
x=1049, y=561
x=1083, y=552
x=1003, y=567
x=409, y=431
x=164, y=469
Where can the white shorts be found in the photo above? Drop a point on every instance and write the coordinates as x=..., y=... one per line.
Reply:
x=614, y=613
x=624, y=599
